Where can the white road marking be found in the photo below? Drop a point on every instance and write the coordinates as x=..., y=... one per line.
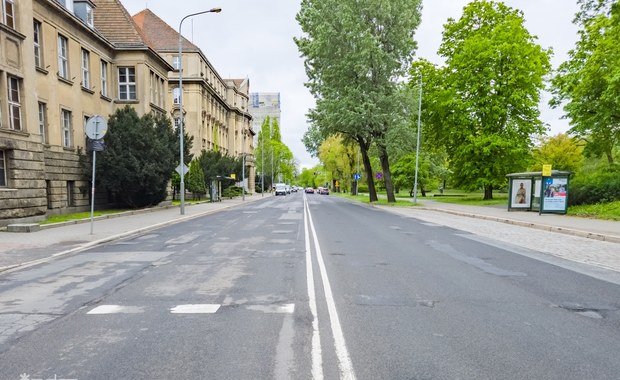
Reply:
x=288, y=308
x=116, y=309
x=317, y=355
x=195, y=309
x=344, y=360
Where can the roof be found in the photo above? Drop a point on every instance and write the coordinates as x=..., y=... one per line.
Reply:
x=161, y=36
x=559, y=173
x=115, y=23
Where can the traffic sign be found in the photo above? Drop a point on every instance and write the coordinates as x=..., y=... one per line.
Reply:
x=357, y=176
x=96, y=127
x=185, y=169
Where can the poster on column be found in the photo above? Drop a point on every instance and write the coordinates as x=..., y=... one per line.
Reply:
x=554, y=194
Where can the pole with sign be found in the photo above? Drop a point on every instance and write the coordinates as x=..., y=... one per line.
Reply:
x=96, y=128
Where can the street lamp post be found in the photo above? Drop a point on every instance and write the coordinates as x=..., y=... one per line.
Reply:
x=243, y=161
x=262, y=165
x=417, y=147
x=181, y=148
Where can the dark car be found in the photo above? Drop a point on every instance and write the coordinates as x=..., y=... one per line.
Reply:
x=309, y=190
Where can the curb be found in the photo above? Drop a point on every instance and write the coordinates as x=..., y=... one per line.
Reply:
x=544, y=227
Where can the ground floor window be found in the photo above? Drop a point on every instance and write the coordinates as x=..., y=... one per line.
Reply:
x=70, y=193
x=3, y=169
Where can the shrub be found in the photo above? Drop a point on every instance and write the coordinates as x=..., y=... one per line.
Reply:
x=232, y=191
x=595, y=188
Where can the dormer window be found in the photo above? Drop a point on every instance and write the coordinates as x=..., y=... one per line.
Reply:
x=67, y=4
x=90, y=20
x=84, y=10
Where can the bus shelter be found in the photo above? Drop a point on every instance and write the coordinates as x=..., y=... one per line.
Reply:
x=533, y=191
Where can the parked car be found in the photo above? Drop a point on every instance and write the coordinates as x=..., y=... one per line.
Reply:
x=309, y=190
x=280, y=189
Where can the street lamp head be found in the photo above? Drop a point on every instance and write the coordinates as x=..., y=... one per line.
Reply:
x=215, y=10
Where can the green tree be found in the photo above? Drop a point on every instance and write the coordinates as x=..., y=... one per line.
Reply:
x=216, y=166
x=355, y=51
x=560, y=151
x=139, y=158
x=338, y=159
x=307, y=177
x=483, y=105
x=195, y=179
x=588, y=83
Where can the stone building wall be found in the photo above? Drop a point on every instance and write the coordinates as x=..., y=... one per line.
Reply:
x=24, y=199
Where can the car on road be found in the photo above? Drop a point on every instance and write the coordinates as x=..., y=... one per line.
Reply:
x=309, y=190
x=281, y=189
x=323, y=190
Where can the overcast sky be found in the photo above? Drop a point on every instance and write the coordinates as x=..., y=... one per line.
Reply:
x=254, y=38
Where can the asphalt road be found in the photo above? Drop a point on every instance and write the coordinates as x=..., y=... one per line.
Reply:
x=308, y=286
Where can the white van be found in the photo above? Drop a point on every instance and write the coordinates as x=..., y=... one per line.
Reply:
x=280, y=189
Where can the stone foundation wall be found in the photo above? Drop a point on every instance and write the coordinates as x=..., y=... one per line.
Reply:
x=67, y=188
x=24, y=197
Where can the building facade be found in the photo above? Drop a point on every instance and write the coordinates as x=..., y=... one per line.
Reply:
x=64, y=61
x=215, y=110
x=263, y=105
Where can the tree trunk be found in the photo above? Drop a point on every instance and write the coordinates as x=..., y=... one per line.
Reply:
x=372, y=192
x=488, y=192
x=387, y=176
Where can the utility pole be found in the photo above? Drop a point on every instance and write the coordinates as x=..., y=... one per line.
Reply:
x=417, y=147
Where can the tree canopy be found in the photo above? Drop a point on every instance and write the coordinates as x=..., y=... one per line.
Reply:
x=139, y=158
x=483, y=104
x=588, y=83
x=355, y=51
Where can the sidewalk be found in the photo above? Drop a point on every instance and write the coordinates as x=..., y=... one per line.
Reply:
x=605, y=230
x=25, y=249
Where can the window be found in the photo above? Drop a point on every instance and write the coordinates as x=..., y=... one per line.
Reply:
x=70, y=193
x=90, y=18
x=176, y=95
x=104, y=78
x=152, y=85
x=160, y=86
x=8, y=13
x=65, y=122
x=177, y=123
x=85, y=69
x=3, y=169
x=43, y=122
x=38, y=59
x=15, y=109
x=67, y=4
x=127, y=83
x=63, y=59
x=176, y=62
x=157, y=88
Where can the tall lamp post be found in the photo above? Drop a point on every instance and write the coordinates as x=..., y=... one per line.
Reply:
x=182, y=165
x=243, y=160
x=417, y=147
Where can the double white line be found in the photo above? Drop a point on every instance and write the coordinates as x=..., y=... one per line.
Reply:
x=344, y=360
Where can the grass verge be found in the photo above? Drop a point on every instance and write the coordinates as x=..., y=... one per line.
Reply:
x=77, y=216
